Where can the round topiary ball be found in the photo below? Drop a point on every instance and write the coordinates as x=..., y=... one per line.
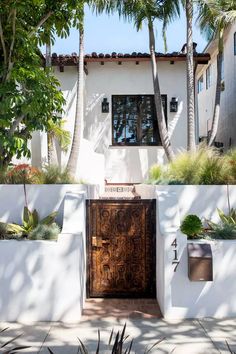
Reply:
x=191, y=226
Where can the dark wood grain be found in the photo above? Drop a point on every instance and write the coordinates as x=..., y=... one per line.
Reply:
x=121, y=247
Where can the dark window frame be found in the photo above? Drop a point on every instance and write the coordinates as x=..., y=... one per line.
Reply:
x=123, y=144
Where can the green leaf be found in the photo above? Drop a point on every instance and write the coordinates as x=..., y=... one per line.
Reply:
x=50, y=219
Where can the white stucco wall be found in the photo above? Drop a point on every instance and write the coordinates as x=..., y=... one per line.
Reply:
x=44, y=280
x=206, y=98
x=177, y=295
x=44, y=198
x=98, y=159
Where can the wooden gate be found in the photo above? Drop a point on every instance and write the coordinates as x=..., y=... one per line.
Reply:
x=121, y=248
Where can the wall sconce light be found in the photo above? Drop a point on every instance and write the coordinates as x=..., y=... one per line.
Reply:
x=174, y=103
x=105, y=106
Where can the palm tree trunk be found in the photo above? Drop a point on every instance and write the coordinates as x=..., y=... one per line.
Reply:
x=157, y=97
x=52, y=159
x=79, y=112
x=216, y=114
x=190, y=78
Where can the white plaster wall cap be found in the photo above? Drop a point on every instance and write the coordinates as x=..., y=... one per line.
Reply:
x=74, y=213
x=168, y=211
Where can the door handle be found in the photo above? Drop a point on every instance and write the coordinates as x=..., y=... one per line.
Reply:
x=97, y=241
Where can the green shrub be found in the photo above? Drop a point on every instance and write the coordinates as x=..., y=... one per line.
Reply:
x=56, y=175
x=192, y=226
x=22, y=174
x=213, y=170
x=155, y=173
x=45, y=232
x=231, y=162
x=206, y=166
x=185, y=168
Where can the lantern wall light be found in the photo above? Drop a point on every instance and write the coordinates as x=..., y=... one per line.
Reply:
x=105, y=105
x=174, y=103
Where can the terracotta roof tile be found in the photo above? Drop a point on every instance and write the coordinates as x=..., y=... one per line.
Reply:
x=70, y=60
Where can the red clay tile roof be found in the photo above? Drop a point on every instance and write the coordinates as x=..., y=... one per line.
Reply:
x=71, y=60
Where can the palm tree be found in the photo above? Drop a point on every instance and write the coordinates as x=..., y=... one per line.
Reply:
x=141, y=11
x=56, y=132
x=79, y=111
x=215, y=16
x=190, y=77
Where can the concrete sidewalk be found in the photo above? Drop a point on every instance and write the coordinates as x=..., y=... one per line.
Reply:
x=191, y=336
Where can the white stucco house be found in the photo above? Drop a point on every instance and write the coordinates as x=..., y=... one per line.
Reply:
x=121, y=145
x=206, y=76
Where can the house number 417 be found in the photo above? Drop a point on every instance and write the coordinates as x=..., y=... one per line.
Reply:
x=175, y=261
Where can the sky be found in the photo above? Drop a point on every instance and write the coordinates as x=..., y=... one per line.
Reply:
x=107, y=34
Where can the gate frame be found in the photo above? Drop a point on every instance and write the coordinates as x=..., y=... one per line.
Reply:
x=89, y=250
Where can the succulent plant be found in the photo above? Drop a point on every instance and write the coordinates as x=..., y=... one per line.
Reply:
x=192, y=226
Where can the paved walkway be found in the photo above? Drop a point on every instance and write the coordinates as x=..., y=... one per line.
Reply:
x=206, y=336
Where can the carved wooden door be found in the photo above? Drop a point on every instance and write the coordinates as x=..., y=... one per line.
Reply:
x=121, y=247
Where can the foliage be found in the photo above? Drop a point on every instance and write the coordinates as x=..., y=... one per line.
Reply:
x=230, y=158
x=22, y=174
x=29, y=222
x=56, y=175
x=228, y=219
x=29, y=95
x=222, y=231
x=57, y=132
x=26, y=174
x=3, y=231
x=45, y=232
x=4, y=347
x=191, y=226
x=116, y=345
x=205, y=166
x=215, y=16
x=155, y=173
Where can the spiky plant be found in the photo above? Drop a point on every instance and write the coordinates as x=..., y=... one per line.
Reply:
x=4, y=348
x=117, y=344
x=205, y=166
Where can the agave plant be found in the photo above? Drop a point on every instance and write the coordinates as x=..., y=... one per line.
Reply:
x=29, y=222
x=15, y=349
x=117, y=344
x=229, y=348
x=228, y=219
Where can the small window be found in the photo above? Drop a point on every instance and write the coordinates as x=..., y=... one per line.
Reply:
x=208, y=77
x=200, y=84
x=134, y=120
x=235, y=43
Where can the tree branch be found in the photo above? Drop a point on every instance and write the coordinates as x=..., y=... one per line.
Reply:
x=13, y=38
x=41, y=22
x=3, y=43
x=16, y=124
